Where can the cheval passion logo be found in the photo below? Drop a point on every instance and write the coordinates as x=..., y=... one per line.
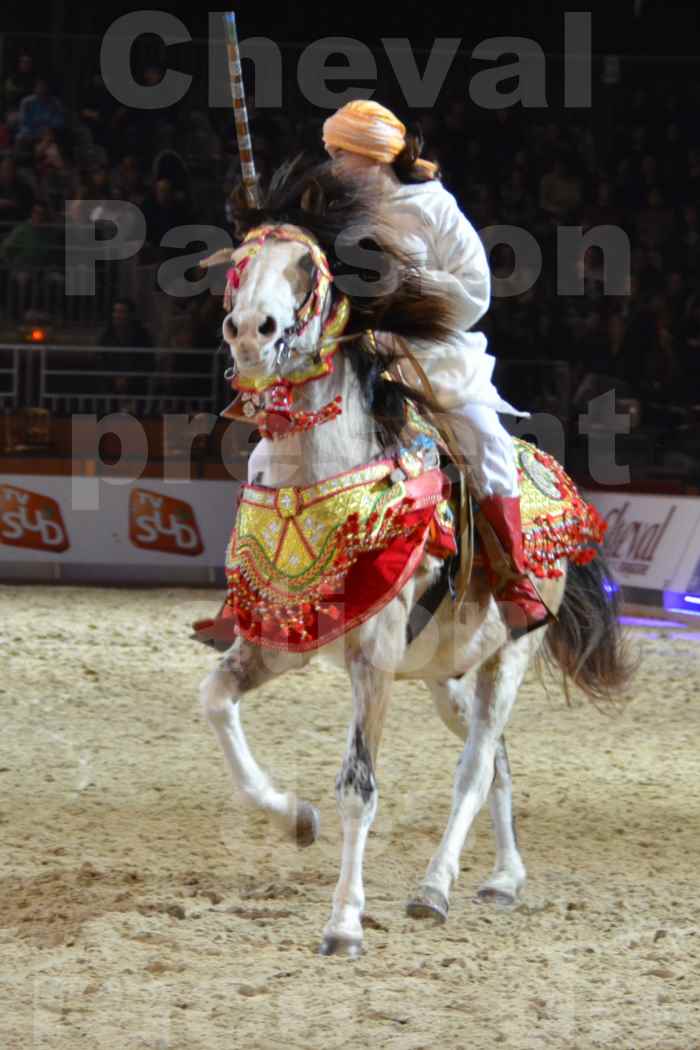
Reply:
x=31, y=520
x=159, y=523
x=633, y=542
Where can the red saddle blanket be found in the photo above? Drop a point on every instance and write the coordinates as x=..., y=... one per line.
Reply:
x=305, y=565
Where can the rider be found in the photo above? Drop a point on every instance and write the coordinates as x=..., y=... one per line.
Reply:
x=367, y=141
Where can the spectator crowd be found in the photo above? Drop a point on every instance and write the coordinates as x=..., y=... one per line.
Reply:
x=631, y=161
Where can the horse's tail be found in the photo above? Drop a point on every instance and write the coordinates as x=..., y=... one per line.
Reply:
x=586, y=640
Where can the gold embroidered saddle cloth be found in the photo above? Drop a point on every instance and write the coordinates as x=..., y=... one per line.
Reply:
x=305, y=565
x=557, y=523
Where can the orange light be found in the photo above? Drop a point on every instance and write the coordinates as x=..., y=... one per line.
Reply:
x=37, y=335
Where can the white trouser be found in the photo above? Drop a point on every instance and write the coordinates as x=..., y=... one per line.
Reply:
x=488, y=448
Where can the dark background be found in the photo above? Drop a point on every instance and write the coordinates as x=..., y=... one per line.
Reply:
x=631, y=159
x=659, y=28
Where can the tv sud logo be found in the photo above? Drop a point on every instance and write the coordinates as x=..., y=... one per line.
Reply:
x=31, y=520
x=161, y=523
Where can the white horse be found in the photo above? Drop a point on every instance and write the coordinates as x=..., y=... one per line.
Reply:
x=470, y=662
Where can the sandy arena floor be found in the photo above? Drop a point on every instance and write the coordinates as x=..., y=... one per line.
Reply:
x=141, y=907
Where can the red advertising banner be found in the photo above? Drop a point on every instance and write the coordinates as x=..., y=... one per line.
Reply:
x=31, y=520
x=162, y=523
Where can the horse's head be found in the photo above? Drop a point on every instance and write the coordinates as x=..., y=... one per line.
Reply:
x=277, y=296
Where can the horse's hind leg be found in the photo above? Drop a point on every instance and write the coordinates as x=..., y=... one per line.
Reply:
x=481, y=772
x=245, y=667
x=453, y=701
x=509, y=875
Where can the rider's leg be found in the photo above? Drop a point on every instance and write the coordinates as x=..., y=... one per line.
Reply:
x=489, y=451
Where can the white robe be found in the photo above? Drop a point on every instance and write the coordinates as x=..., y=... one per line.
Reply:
x=451, y=256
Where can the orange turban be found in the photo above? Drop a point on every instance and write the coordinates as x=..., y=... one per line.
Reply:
x=365, y=127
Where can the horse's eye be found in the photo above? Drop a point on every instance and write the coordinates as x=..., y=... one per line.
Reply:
x=268, y=326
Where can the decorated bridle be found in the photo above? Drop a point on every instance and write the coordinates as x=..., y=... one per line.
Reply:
x=267, y=401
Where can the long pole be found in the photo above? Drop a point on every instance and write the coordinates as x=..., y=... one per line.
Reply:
x=240, y=111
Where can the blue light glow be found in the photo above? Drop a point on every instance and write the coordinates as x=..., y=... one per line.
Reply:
x=679, y=603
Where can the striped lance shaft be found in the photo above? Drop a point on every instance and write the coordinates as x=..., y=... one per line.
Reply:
x=240, y=112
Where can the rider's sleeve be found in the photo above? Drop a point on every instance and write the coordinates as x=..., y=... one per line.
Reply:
x=463, y=269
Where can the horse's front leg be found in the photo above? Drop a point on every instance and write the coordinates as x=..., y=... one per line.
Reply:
x=245, y=667
x=381, y=644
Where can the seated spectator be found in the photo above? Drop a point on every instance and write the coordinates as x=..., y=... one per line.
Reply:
x=32, y=252
x=144, y=132
x=39, y=111
x=98, y=108
x=660, y=375
x=32, y=242
x=170, y=166
x=55, y=174
x=560, y=192
x=608, y=361
x=199, y=143
x=645, y=179
x=163, y=212
x=650, y=271
x=684, y=249
x=602, y=211
x=676, y=298
x=655, y=224
x=128, y=182
x=207, y=322
x=517, y=203
x=482, y=210
x=593, y=267
x=18, y=85
x=125, y=330
x=98, y=183
x=621, y=360
x=16, y=195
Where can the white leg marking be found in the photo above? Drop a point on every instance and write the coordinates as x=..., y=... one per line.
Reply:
x=509, y=875
x=453, y=701
x=356, y=788
x=239, y=671
x=496, y=688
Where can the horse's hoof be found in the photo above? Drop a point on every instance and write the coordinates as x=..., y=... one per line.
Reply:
x=341, y=946
x=308, y=824
x=431, y=904
x=489, y=895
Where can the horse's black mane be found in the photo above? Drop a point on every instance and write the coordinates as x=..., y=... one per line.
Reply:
x=347, y=223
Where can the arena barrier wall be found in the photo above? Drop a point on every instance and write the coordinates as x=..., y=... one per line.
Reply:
x=653, y=549
x=144, y=532
x=154, y=531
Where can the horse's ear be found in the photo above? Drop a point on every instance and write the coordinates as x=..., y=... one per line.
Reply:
x=238, y=199
x=219, y=258
x=313, y=199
